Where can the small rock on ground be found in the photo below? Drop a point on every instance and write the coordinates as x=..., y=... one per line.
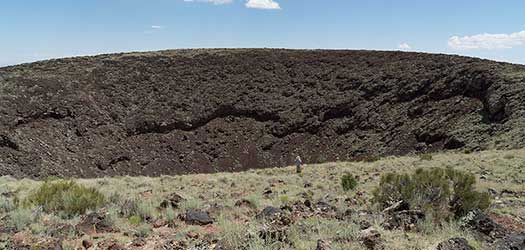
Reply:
x=514, y=241
x=269, y=212
x=197, y=217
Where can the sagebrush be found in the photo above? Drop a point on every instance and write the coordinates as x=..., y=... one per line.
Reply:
x=66, y=197
x=445, y=193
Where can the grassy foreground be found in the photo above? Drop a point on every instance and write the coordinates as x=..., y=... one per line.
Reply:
x=235, y=224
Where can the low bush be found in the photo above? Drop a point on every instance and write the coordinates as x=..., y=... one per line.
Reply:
x=170, y=216
x=233, y=235
x=444, y=193
x=6, y=205
x=465, y=198
x=66, y=197
x=143, y=230
x=20, y=218
x=112, y=215
x=348, y=182
x=284, y=199
x=134, y=220
x=137, y=207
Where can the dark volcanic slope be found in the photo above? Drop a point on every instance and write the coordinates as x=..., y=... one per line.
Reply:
x=224, y=110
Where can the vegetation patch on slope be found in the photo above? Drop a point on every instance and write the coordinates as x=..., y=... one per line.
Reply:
x=277, y=209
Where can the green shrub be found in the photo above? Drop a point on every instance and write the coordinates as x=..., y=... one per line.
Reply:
x=465, y=198
x=38, y=228
x=21, y=218
x=233, y=234
x=442, y=192
x=255, y=200
x=284, y=199
x=170, y=216
x=6, y=205
x=115, y=198
x=112, y=215
x=143, y=231
x=145, y=210
x=348, y=182
x=66, y=197
x=137, y=207
x=190, y=204
x=134, y=220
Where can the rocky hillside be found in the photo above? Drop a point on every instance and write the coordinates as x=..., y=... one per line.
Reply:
x=187, y=111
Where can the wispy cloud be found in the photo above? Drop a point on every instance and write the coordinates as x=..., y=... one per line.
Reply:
x=263, y=4
x=215, y=2
x=154, y=28
x=488, y=41
x=404, y=46
x=252, y=4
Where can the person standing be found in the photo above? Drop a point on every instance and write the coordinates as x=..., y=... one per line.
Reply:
x=298, y=165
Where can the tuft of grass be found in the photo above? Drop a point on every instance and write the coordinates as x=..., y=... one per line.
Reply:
x=115, y=198
x=190, y=204
x=348, y=182
x=233, y=234
x=170, y=215
x=112, y=215
x=6, y=205
x=144, y=209
x=21, y=218
x=134, y=220
x=284, y=199
x=66, y=197
x=38, y=228
x=143, y=230
x=255, y=200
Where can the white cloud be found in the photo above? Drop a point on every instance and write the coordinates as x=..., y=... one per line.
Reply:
x=215, y=2
x=404, y=46
x=263, y=4
x=154, y=29
x=488, y=41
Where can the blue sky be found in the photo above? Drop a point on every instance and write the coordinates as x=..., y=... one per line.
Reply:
x=34, y=29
